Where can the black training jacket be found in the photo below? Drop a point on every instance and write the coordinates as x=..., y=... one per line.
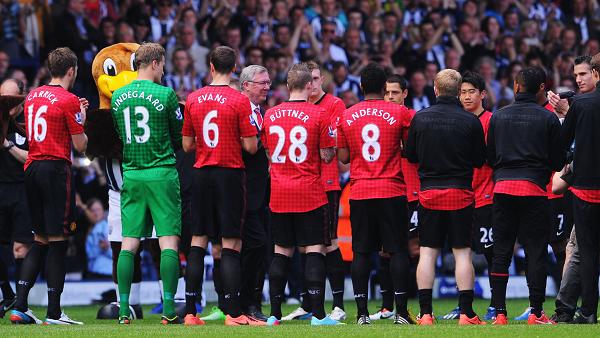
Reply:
x=582, y=125
x=447, y=142
x=524, y=142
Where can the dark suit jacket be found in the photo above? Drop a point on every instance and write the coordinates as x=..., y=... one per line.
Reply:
x=257, y=177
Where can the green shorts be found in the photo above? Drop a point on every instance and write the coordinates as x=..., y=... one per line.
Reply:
x=151, y=196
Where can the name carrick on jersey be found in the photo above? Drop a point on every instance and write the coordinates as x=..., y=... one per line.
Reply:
x=372, y=130
x=293, y=133
x=218, y=116
x=52, y=115
x=334, y=108
x=483, y=184
x=148, y=122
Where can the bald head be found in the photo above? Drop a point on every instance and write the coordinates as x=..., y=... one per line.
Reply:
x=11, y=87
x=447, y=83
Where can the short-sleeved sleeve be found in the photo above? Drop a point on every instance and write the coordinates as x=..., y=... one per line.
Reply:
x=338, y=111
x=327, y=136
x=341, y=135
x=175, y=117
x=188, y=128
x=73, y=116
x=245, y=118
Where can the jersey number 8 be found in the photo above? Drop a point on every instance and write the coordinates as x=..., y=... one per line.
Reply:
x=371, y=149
x=298, y=136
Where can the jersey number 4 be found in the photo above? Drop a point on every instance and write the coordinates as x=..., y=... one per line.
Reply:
x=297, y=151
x=37, y=127
x=141, y=124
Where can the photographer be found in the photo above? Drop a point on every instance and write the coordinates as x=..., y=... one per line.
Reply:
x=581, y=125
x=570, y=286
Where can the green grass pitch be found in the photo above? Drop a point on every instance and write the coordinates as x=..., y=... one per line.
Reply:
x=150, y=326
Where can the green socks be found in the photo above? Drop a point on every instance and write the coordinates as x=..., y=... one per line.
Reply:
x=124, y=278
x=169, y=273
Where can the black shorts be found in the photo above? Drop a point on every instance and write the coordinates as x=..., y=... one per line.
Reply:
x=561, y=218
x=333, y=199
x=15, y=218
x=483, y=240
x=436, y=226
x=218, y=202
x=51, y=197
x=413, y=219
x=292, y=229
x=379, y=224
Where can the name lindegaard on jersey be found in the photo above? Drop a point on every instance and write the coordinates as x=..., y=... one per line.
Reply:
x=134, y=94
x=44, y=94
x=279, y=113
x=372, y=112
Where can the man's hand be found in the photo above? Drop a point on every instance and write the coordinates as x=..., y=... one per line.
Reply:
x=561, y=106
x=83, y=107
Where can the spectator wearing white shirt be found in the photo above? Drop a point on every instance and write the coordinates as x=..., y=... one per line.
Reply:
x=162, y=24
x=330, y=51
x=329, y=13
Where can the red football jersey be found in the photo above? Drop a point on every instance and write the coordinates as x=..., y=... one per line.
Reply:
x=483, y=184
x=293, y=133
x=334, y=108
x=218, y=116
x=52, y=115
x=372, y=131
x=410, y=172
x=590, y=196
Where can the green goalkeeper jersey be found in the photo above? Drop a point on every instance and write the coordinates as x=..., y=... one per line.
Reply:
x=148, y=122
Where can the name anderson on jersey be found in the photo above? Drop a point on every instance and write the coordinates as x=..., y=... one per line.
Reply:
x=137, y=94
x=372, y=112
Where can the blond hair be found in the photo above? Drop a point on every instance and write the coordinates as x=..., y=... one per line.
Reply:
x=448, y=82
x=148, y=52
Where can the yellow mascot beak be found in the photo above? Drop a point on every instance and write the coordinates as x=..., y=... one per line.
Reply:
x=108, y=84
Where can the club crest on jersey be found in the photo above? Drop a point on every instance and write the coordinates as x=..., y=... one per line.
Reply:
x=78, y=118
x=178, y=114
x=331, y=131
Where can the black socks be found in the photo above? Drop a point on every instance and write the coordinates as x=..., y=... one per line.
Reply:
x=361, y=269
x=498, y=285
x=314, y=278
x=194, y=275
x=399, y=266
x=29, y=271
x=7, y=292
x=55, y=273
x=230, y=278
x=465, y=302
x=334, y=265
x=385, y=283
x=278, y=273
x=425, y=299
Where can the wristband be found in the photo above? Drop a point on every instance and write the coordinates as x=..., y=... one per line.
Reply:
x=10, y=145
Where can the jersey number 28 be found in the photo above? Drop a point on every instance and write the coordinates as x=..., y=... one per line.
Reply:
x=297, y=151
